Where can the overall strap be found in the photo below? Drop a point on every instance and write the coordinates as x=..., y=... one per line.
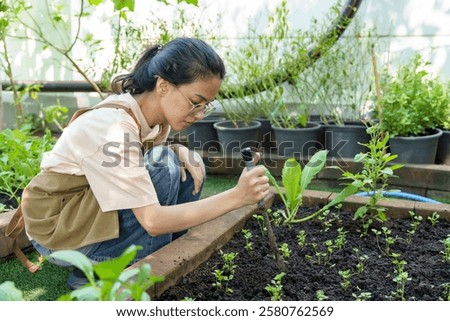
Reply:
x=15, y=227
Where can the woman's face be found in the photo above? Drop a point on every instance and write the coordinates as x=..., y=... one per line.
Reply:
x=185, y=104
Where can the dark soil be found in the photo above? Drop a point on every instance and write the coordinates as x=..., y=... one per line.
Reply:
x=9, y=203
x=305, y=276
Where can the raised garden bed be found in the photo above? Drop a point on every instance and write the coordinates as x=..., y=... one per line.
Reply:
x=305, y=277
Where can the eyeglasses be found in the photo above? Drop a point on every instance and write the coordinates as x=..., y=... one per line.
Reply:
x=198, y=109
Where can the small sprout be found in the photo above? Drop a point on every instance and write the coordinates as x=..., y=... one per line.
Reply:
x=446, y=291
x=416, y=220
x=345, y=279
x=446, y=252
x=320, y=295
x=341, y=238
x=275, y=287
x=224, y=275
x=285, y=251
x=247, y=237
x=434, y=218
x=363, y=296
x=301, y=238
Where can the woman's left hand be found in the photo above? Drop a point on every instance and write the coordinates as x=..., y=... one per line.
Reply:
x=193, y=163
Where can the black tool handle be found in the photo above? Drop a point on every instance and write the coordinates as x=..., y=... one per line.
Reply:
x=247, y=157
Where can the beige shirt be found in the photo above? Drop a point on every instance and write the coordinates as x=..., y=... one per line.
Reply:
x=105, y=145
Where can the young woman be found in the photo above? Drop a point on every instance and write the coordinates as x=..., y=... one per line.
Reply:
x=101, y=191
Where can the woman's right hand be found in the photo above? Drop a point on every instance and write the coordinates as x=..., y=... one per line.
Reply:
x=253, y=185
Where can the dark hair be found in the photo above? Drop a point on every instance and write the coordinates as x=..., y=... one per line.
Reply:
x=180, y=61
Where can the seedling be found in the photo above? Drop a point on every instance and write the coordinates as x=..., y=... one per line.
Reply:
x=275, y=287
x=434, y=218
x=320, y=295
x=285, y=251
x=446, y=252
x=416, y=220
x=247, y=237
x=340, y=241
x=277, y=216
x=319, y=256
x=446, y=291
x=401, y=279
x=362, y=259
x=363, y=296
x=345, y=279
x=400, y=276
x=388, y=240
x=301, y=238
x=224, y=275
x=262, y=225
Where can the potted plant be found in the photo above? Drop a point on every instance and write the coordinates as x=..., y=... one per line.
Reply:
x=413, y=104
x=294, y=134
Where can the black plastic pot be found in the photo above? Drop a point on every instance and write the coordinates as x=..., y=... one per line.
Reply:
x=343, y=141
x=417, y=149
x=232, y=139
x=202, y=134
x=443, y=150
x=298, y=142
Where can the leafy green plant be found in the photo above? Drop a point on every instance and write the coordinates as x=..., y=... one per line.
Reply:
x=21, y=156
x=413, y=101
x=295, y=181
x=114, y=282
x=283, y=117
x=275, y=287
x=372, y=180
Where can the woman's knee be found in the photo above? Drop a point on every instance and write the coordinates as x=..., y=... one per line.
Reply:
x=162, y=160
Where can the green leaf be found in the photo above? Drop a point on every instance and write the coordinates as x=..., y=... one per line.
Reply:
x=314, y=166
x=9, y=292
x=77, y=259
x=95, y=2
x=193, y=2
x=111, y=269
x=121, y=4
x=360, y=157
x=290, y=176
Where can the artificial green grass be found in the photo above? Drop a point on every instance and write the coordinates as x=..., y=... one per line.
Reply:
x=50, y=282
x=46, y=285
